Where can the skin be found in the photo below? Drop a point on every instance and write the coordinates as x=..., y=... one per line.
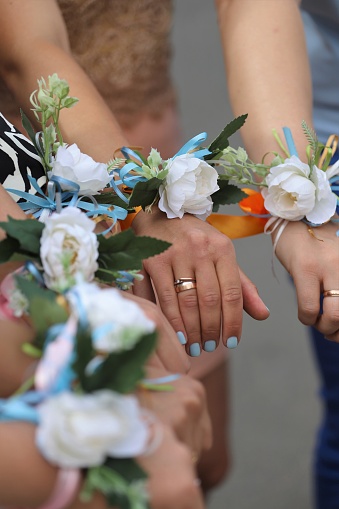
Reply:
x=37, y=482
x=36, y=28
x=182, y=415
x=93, y=127
x=256, y=87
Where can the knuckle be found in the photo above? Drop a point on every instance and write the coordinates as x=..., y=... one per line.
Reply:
x=232, y=294
x=223, y=244
x=176, y=323
x=210, y=299
x=210, y=332
x=308, y=308
x=197, y=238
x=189, y=301
x=167, y=296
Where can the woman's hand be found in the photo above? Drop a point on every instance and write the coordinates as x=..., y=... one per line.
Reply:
x=313, y=263
x=183, y=409
x=199, y=251
x=172, y=477
x=169, y=354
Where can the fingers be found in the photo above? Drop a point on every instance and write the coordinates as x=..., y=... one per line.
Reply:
x=160, y=270
x=328, y=321
x=308, y=288
x=177, y=471
x=168, y=349
x=184, y=409
x=253, y=304
x=231, y=296
x=144, y=288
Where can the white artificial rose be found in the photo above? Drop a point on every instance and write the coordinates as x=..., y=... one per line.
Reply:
x=117, y=323
x=71, y=164
x=188, y=187
x=81, y=430
x=295, y=192
x=68, y=249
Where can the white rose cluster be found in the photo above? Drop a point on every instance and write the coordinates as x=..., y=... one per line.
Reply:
x=117, y=323
x=188, y=187
x=81, y=430
x=68, y=249
x=295, y=191
x=71, y=164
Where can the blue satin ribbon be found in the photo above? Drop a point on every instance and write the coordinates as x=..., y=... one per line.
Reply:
x=80, y=308
x=161, y=380
x=56, y=198
x=125, y=278
x=32, y=269
x=130, y=180
x=21, y=408
x=15, y=409
x=289, y=141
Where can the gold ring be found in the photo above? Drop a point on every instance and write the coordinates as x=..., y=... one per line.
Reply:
x=186, y=285
x=184, y=280
x=331, y=293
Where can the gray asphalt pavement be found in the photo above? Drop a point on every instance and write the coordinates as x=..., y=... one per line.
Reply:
x=274, y=383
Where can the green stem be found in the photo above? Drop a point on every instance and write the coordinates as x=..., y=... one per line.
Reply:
x=280, y=143
x=28, y=384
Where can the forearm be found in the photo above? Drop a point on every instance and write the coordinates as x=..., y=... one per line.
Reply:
x=267, y=69
x=21, y=465
x=15, y=365
x=41, y=49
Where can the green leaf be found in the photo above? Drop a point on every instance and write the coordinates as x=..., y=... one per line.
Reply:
x=221, y=141
x=227, y=194
x=84, y=353
x=125, y=251
x=31, y=133
x=26, y=231
x=124, y=492
x=162, y=174
x=8, y=247
x=145, y=193
x=44, y=309
x=128, y=468
x=27, y=126
x=121, y=371
x=110, y=199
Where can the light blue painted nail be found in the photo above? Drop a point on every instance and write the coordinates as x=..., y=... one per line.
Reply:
x=195, y=350
x=210, y=345
x=181, y=337
x=232, y=342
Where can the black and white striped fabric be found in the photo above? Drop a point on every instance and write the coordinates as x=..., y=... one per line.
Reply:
x=18, y=159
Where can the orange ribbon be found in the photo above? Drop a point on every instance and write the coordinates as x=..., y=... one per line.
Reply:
x=235, y=227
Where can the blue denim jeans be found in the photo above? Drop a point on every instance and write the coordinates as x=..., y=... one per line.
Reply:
x=326, y=460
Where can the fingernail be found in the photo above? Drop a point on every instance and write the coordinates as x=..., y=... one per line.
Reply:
x=268, y=309
x=210, y=346
x=232, y=342
x=195, y=350
x=181, y=337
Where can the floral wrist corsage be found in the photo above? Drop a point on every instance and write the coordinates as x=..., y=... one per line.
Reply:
x=187, y=183
x=291, y=189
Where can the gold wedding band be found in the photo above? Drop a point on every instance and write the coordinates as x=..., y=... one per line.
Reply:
x=331, y=293
x=184, y=280
x=185, y=285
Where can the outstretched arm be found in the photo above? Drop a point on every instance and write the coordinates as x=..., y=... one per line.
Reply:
x=269, y=78
x=34, y=43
